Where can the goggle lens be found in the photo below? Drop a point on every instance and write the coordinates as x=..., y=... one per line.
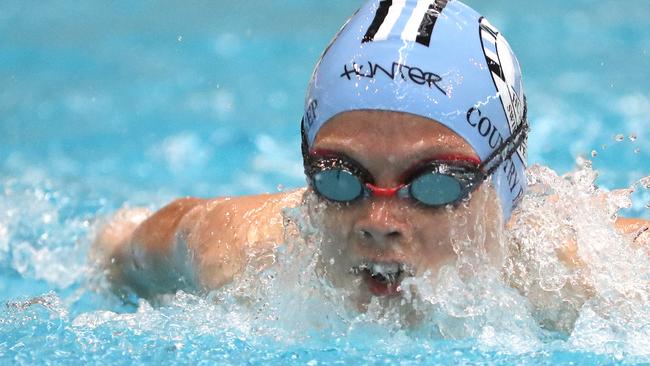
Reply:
x=435, y=189
x=338, y=185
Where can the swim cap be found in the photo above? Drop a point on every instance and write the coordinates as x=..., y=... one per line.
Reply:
x=434, y=58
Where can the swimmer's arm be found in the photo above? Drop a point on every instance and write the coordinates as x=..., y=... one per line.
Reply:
x=196, y=244
x=149, y=258
x=637, y=227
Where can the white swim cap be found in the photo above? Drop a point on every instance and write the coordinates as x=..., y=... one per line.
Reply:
x=434, y=58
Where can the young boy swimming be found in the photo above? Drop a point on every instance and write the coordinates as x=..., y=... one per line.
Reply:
x=414, y=135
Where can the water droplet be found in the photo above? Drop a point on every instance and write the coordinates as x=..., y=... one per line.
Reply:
x=645, y=182
x=633, y=137
x=637, y=150
x=620, y=137
x=594, y=153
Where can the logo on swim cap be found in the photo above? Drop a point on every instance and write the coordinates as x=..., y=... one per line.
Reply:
x=396, y=70
x=438, y=59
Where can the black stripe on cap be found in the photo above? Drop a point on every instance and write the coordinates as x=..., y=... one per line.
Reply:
x=495, y=68
x=429, y=21
x=380, y=16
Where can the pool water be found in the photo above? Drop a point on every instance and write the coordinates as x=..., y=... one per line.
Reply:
x=113, y=104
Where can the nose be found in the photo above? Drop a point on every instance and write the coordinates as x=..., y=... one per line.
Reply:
x=382, y=223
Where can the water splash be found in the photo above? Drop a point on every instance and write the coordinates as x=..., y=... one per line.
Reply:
x=49, y=301
x=580, y=273
x=39, y=237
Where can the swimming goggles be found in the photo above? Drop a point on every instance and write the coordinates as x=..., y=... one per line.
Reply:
x=338, y=178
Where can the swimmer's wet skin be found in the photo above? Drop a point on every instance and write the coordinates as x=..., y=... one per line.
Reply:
x=404, y=153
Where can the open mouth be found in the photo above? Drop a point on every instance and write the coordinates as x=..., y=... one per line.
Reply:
x=383, y=279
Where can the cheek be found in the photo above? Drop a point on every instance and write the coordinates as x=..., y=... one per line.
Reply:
x=432, y=238
x=338, y=220
x=335, y=225
x=442, y=234
x=477, y=224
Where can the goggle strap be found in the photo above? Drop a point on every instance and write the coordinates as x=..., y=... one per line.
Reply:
x=500, y=155
x=305, y=145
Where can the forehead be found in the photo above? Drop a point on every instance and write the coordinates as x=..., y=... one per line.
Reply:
x=393, y=133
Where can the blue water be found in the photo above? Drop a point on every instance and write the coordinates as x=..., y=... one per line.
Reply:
x=106, y=104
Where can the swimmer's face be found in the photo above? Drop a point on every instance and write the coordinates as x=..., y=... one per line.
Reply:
x=394, y=235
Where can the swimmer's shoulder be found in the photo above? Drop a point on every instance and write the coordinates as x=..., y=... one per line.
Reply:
x=223, y=233
x=237, y=210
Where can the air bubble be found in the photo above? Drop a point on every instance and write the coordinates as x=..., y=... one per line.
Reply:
x=280, y=187
x=180, y=38
x=594, y=153
x=620, y=137
x=633, y=137
x=637, y=150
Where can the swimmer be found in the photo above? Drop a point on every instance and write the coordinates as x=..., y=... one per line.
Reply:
x=414, y=136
